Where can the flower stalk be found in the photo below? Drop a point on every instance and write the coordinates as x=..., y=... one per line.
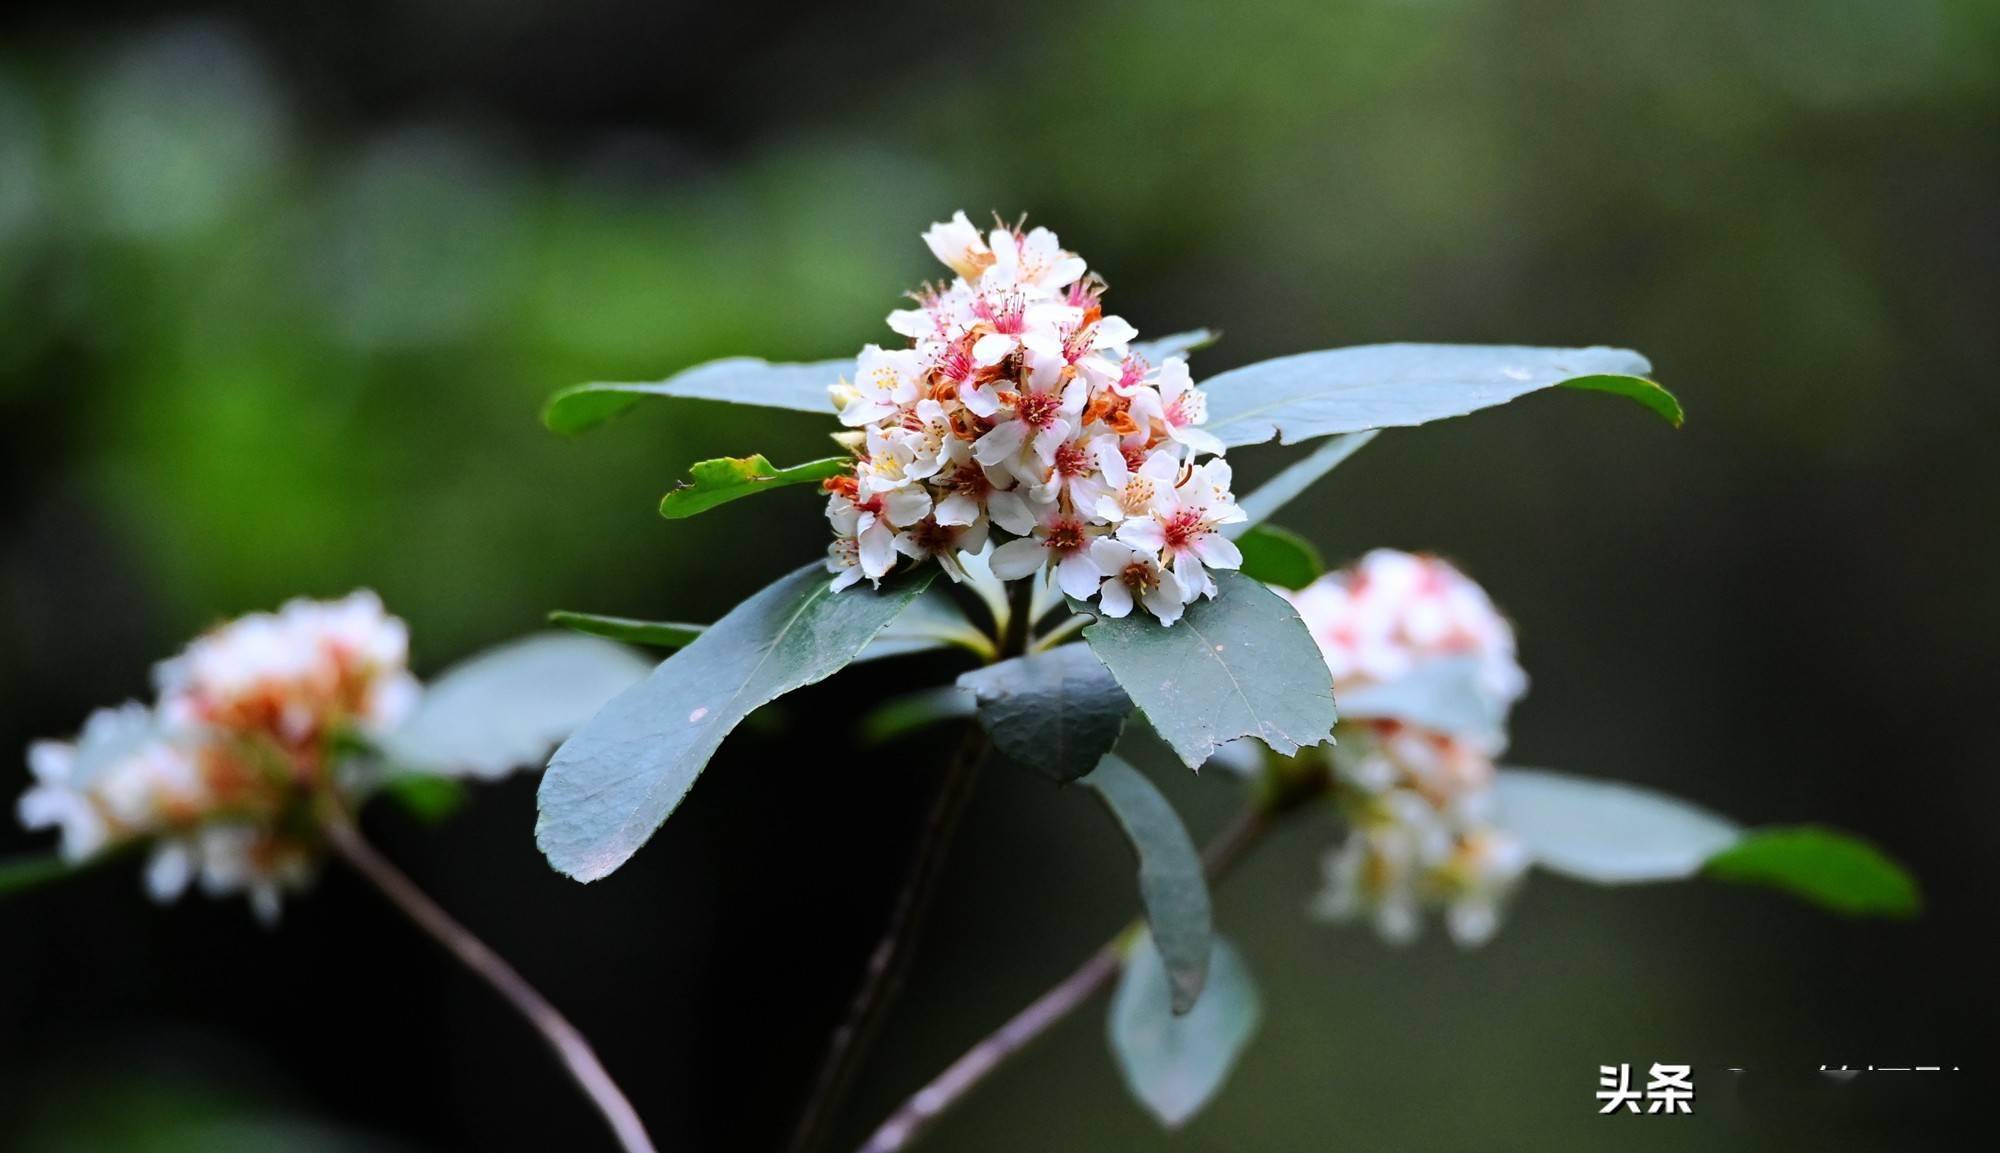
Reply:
x=569, y=1043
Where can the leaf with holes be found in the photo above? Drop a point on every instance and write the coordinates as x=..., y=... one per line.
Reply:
x=1239, y=664
x=719, y=481
x=622, y=774
x=1057, y=712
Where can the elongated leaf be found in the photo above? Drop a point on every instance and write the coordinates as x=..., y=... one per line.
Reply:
x=1445, y=694
x=931, y=622
x=1830, y=869
x=1295, y=478
x=1240, y=664
x=1279, y=556
x=652, y=634
x=22, y=873
x=738, y=380
x=1057, y=712
x=911, y=712
x=1155, y=351
x=1338, y=390
x=507, y=707
x=625, y=771
x=1607, y=832
x=1175, y=1065
x=719, y=481
x=1172, y=886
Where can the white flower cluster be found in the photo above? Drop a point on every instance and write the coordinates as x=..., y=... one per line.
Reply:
x=1018, y=404
x=219, y=775
x=1418, y=801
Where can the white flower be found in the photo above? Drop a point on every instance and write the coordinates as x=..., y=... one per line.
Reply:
x=1034, y=259
x=1376, y=620
x=1135, y=574
x=1018, y=406
x=1129, y=492
x=294, y=673
x=1186, y=528
x=1061, y=539
x=1178, y=404
x=958, y=245
x=115, y=744
x=884, y=381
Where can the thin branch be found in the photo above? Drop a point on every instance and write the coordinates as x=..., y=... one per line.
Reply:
x=562, y=1036
x=948, y=1088
x=889, y=964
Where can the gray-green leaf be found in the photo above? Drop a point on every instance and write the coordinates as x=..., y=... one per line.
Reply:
x=1176, y=1065
x=1446, y=694
x=1180, y=343
x=623, y=773
x=1830, y=869
x=1172, y=885
x=1279, y=556
x=1608, y=832
x=653, y=634
x=1294, y=479
x=738, y=380
x=1057, y=712
x=508, y=706
x=911, y=712
x=1239, y=664
x=1338, y=390
x=719, y=481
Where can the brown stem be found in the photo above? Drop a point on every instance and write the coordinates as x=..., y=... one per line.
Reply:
x=889, y=963
x=948, y=1088
x=562, y=1036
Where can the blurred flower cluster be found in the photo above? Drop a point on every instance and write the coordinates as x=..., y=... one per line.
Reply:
x=1418, y=799
x=221, y=776
x=1019, y=404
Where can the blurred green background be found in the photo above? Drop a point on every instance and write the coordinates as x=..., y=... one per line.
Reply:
x=282, y=287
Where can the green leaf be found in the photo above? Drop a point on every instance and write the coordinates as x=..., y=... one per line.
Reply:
x=1172, y=886
x=1176, y=1065
x=730, y=478
x=21, y=873
x=1239, y=664
x=507, y=707
x=932, y=621
x=623, y=773
x=1294, y=479
x=426, y=796
x=1180, y=343
x=1446, y=694
x=1338, y=390
x=738, y=380
x=1830, y=869
x=653, y=634
x=900, y=716
x=1279, y=556
x=1607, y=832
x=1057, y=712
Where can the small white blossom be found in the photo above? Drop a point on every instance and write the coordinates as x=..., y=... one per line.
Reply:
x=1418, y=801
x=1019, y=409
x=218, y=778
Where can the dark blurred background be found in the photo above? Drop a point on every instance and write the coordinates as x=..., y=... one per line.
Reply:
x=281, y=288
